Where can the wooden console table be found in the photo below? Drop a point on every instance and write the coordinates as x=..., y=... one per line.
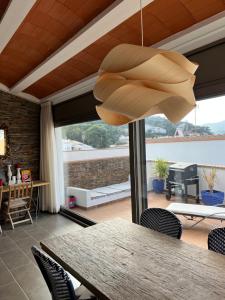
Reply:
x=36, y=184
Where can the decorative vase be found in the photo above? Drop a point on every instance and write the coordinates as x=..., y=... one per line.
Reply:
x=9, y=174
x=158, y=185
x=212, y=198
x=18, y=176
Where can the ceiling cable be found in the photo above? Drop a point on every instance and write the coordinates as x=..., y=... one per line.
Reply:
x=142, y=26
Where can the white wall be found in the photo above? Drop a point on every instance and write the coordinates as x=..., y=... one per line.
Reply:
x=94, y=154
x=200, y=152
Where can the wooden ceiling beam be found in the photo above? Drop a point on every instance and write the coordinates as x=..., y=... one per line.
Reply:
x=196, y=36
x=23, y=95
x=13, y=17
x=114, y=15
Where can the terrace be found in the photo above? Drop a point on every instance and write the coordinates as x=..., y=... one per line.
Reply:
x=198, y=235
x=170, y=147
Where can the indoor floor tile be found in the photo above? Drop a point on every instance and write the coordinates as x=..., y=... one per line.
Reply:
x=5, y=275
x=15, y=258
x=6, y=244
x=17, y=234
x=40, y=234
x=20, y=277
x=26, y=244
x=12, y=291
x=24, y=274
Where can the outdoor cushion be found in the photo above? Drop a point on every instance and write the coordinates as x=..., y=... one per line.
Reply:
x=198, y=210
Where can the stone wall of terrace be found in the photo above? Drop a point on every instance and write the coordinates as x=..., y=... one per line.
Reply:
x=90, y=174
x=101, y=167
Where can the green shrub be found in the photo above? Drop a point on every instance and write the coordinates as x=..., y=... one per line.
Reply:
x=161, y=168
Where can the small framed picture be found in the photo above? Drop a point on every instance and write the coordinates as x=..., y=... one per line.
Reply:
x=26, y=175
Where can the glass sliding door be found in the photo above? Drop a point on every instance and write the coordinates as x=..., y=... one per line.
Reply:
x=138, y=169
x=192, y=148
x=96, y=170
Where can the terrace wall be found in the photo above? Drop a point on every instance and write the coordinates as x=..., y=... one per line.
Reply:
x=23, y=121
x=205, y=150
x=90, y=174
x=102, y=167
x=193, y=149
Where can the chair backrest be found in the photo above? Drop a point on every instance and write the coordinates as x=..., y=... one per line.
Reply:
x=163, y=221
x=58, y=281
x=21, y=191
x=216, y=240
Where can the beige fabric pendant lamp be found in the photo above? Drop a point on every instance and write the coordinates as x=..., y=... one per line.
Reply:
x=136, y=82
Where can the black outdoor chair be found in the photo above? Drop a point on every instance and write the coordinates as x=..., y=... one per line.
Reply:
x=61, y=285
x=163, y=221
x=216, y=240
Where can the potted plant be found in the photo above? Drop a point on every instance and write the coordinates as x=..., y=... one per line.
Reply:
x=211, y=196
x=161, y=171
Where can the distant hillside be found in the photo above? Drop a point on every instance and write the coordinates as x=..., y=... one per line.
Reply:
x=170, y=128
x=217, y=128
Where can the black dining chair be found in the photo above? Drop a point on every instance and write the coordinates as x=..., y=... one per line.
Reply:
x=216, y=240
x=61, y=284
x=162, y=221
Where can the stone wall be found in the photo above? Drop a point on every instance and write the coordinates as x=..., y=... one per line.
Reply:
x=22, y=118
x=90, y=174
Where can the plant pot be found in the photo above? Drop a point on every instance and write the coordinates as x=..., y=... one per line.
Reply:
x=158, y=185
x=71, y=201
x=214, y=198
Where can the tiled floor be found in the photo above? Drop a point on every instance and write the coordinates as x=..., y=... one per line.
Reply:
x=20, y=277
x=197, y=235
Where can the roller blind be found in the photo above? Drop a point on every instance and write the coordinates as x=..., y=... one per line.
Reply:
x=210, y=76
x=77, y=110
x=210, y=82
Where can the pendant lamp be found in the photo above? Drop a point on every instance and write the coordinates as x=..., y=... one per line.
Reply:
x=136, y=82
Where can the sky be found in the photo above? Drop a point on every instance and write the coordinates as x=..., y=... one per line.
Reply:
x=208, y=111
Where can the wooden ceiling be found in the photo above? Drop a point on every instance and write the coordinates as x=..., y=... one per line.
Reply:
x=51, y=23
x=3, y=6
x=48, y=25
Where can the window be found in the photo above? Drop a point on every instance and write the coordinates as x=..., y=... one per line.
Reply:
x=199, y=139
x=96, y=170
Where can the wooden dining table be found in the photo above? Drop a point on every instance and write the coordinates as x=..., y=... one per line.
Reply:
x=119, y=260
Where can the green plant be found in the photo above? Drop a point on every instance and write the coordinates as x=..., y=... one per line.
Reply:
x=210, y=179
x=161, y=168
